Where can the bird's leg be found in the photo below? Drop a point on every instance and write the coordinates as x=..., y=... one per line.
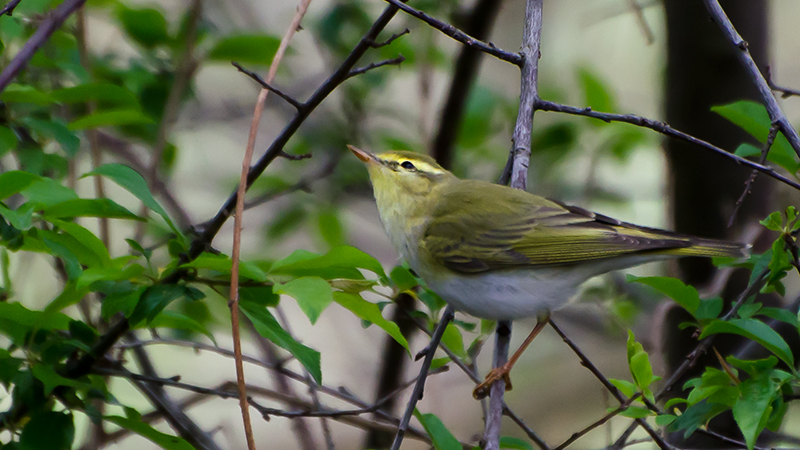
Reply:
x=502, y=372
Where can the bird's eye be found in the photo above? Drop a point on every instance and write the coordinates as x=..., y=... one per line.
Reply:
x=407, y=165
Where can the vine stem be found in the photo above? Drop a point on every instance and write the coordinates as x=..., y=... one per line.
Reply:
x=237, y=229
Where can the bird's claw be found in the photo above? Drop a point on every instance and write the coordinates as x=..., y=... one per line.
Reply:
x=496, y=374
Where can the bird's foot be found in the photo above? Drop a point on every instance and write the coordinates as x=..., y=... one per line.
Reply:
x=496, y=374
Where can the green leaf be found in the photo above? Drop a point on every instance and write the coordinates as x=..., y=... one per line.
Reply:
x=261, y=295
x=87, y=238
x=266, y=325
x=245, y=49
x=755, y=330
x=8, y=141
x=15, y=181
x=441, y=437
x=370, y=312
x=403, y=279
x=22, y=218
x=154, y=300
x=222, y=263
x=146, y=26
x=135, y=425
x=56, y=130
x=753, y=118
x=51, y=379
x=709, y=309
x=109, y=118
x=131, y=181
x=625, y=387
x=773, y=222
x=636, y=412
x=70, y=247
x=330, y=227
x=514, y=443
x=15, y=93
x=89, y=207
x=684, y=295
x=665, y=419
x=48, y=192
x=124, y=302
x=313, y=295
x=104, y=93
x=177, y=321
x=49, y=430
x=302, y=263
x=780, y=314
x=745, y=150
x=596, y=93
x=640, y=367
x=753, y=409
x=454, y=341
x=94, y=274
x=694, y=417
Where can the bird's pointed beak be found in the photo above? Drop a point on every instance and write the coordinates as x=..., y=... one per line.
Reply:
x=363, y=155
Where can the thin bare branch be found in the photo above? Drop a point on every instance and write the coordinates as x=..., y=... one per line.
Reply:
x=666, y=130
x=286, y=97
x=776, y=115
x=416, y=394
x=458, y=35
x=785, y=92
x=391, y=39
x=9, y=8
x=49, y=25
x=387, y=62
x=773, y=133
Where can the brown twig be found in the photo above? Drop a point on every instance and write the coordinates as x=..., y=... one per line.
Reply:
x=237, y=229
x=666, y=130
x=49, y=25
x=773, y=133
x=776, y=115
x=387, y=62
x=391, y=39
x=458, y=35
x=286, y=97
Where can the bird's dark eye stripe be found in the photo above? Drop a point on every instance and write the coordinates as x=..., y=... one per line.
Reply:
x=407, y=165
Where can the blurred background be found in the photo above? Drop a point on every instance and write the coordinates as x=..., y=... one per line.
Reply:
x=661, y=60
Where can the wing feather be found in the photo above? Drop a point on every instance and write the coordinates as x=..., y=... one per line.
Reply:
x=529, y=231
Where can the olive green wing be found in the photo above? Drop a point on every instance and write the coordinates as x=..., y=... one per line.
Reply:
x=482, y=226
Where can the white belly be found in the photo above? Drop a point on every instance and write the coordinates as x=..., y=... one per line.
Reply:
x=507, y=295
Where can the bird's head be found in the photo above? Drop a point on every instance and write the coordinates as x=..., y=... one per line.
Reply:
x=401, y=176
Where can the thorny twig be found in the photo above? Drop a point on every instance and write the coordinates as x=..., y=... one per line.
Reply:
x=773, y=133
x=387, y=62
x=458, y=35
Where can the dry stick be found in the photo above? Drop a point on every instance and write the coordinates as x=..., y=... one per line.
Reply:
x=664, y=129
x=773, y=133
x=460, y=36
x=776, y=115
x=237, y=229
x=520, y=158
x=644, y=27
x=419, y=387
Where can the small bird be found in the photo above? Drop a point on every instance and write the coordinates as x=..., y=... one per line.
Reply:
x=500, y=253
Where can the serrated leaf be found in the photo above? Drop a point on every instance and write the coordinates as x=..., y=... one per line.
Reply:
x=246, y=49
x=313, y=295
x=268, y=327
x=754, y=330
x=370, y=312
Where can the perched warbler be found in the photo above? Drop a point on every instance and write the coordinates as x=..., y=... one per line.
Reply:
x=500, y=253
